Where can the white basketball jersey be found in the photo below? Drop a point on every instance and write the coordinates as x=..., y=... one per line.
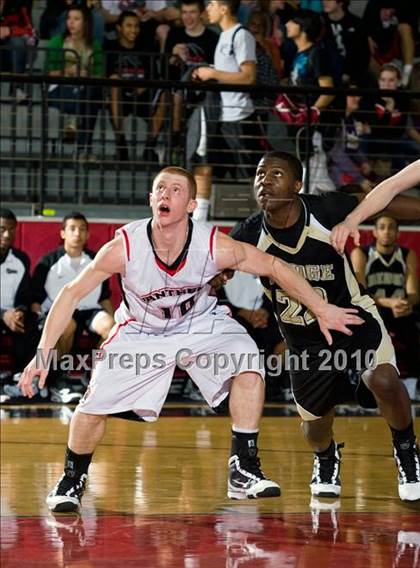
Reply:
x=158, y=296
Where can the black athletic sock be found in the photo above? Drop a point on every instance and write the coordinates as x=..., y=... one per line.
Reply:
x=329, y=452
x=403, y=436
x=244, y=444
x=76, y=464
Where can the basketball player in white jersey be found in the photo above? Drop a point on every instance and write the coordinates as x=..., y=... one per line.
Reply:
x=165, y=264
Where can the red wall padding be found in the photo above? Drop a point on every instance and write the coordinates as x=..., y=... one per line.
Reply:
x=37, y=238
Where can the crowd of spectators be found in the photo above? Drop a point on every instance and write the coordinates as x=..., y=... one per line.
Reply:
x=353, y=46
x=270, y=42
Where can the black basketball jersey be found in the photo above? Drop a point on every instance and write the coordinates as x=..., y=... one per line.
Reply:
x=386, y=274
x=306, y=246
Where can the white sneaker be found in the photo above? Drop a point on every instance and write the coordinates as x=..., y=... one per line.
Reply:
x=66, y=497
x=325, y=480
x=247, y=481
x=407, y=458
x=64, y=395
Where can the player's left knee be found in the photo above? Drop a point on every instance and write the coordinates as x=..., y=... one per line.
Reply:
x=384, y=380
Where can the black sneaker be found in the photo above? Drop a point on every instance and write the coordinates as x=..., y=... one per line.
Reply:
x=325, y=480
x=406, y=456
x=66, y=497
x=247, y=481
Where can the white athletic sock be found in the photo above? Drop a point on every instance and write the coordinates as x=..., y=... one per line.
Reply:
x=202, y=210
x=244, y=430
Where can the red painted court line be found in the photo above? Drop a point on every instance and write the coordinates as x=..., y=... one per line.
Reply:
x=231, y=538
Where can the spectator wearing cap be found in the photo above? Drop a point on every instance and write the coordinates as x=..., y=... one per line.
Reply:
x=310, y=65
x=310, y=68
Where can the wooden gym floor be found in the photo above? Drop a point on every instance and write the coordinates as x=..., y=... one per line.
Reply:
x=156, y=497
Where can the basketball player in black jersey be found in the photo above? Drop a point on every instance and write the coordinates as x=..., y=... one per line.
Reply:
x=389, y=273
x=296, y=228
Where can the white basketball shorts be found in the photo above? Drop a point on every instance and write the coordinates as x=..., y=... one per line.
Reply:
x=136, y=368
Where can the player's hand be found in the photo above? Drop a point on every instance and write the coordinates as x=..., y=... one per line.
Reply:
x=260, y=318
x=257, y=318
x=220, y=279
x=30, y=372
x=333, y=317
x=14, y=320
x=341, y=233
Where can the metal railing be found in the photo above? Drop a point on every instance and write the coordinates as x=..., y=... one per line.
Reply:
x=41, y=163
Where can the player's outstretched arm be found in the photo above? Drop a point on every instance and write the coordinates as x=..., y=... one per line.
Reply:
x=109, y=260
x=241, y=256
x=374, y=202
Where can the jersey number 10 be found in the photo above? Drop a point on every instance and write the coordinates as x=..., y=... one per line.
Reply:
x=179, y=310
